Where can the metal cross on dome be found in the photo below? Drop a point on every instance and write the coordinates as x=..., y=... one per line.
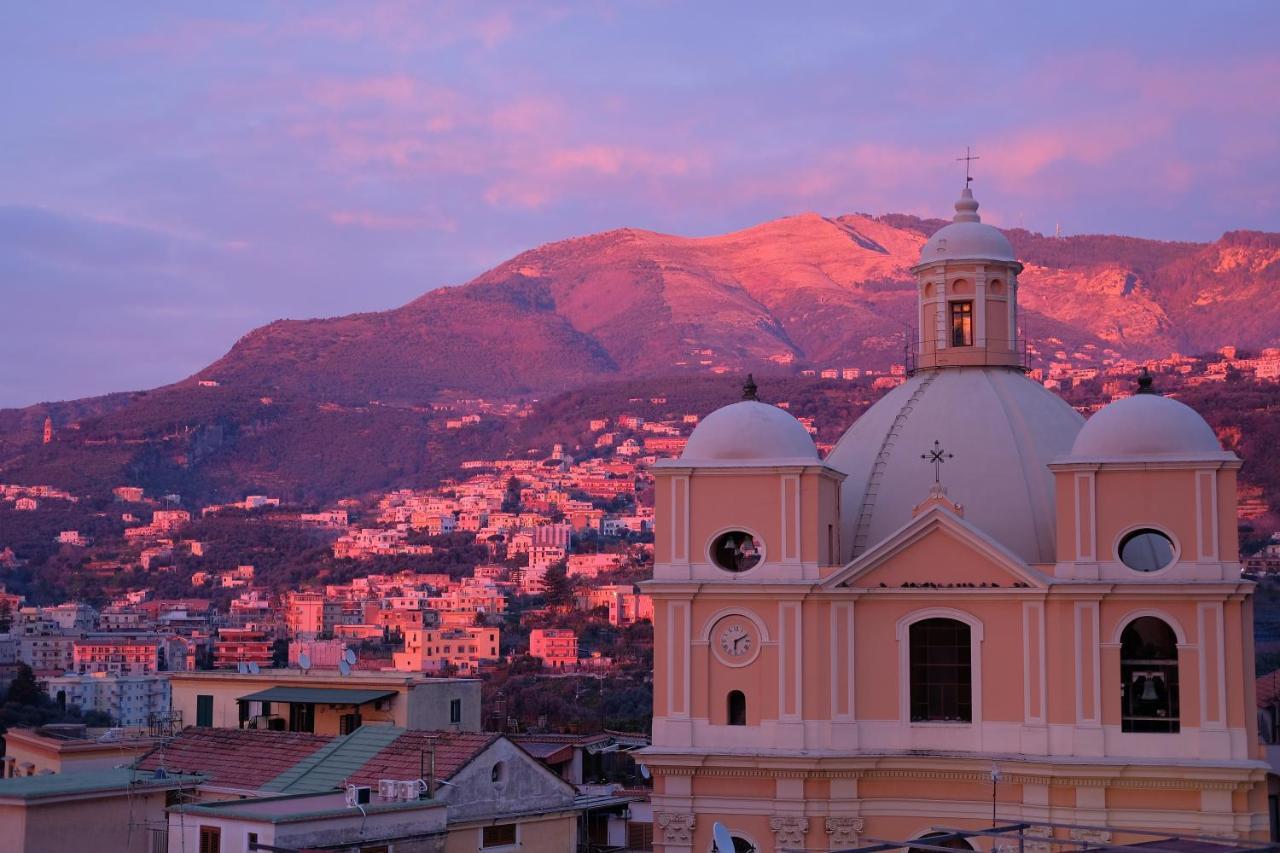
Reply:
x=968, y=159
x=937, y=457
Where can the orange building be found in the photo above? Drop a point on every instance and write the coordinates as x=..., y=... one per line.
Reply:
x=557, y=647
x=977, y=609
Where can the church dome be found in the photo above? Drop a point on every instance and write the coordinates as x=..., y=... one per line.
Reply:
x=749, y=432
x=1146, y=426
x=1001, y=429
x=967, y=238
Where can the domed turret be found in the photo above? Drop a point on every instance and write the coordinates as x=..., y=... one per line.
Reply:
x=1147, y=426
x=967, y=283
x=967, y=238
x=749, y=432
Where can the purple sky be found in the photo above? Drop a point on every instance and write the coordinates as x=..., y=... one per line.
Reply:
x=170, y=179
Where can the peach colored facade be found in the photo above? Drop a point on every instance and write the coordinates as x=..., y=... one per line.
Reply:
x=795, y=698
x=557, y=647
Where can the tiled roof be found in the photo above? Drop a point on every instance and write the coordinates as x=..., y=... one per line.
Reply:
x=412, y=749
x=240, y=758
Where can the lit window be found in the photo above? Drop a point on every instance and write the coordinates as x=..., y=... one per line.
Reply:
x=962, y=324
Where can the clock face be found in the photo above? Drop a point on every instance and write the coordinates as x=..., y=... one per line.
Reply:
x=736, y=640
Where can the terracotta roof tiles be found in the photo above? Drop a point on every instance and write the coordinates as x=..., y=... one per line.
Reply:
x=402, y=757
x=239, y=758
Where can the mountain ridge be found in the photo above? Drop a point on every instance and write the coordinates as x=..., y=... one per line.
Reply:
x=804, y=291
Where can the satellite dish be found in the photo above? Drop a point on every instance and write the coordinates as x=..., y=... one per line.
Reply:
x=242, y=668
x=722, y=841
x=644, y=771
x=254, y=669
x=344, y=667
x=350, y=657
x=304, y=661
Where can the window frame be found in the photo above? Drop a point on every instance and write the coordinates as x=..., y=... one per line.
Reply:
x=940, y=671
x=1169, y=668
x=976, y=635
x=729, y=715
x=487, y=845
x=962, y=309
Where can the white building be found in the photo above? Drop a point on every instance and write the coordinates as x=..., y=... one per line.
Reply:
x=128, y=699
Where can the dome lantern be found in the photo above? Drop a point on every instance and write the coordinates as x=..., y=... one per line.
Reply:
x=967, y=284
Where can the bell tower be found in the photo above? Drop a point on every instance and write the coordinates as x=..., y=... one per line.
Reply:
x=967, y=295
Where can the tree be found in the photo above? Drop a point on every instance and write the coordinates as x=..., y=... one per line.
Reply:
x=559, y=589
x=511, y=499
x=24, y=689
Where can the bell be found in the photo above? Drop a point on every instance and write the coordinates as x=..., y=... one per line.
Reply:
x=748, y=548
x=1149, y=691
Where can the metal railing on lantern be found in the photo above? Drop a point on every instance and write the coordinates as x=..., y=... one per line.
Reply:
x=1021, y=352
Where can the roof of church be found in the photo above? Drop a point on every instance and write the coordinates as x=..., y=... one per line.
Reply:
x=967, y=237
x=1147, y=426
x=749, y=433
x=1000, y=430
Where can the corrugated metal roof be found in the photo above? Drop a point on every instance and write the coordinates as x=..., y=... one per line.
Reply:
x=336, y=762
x=122, y=780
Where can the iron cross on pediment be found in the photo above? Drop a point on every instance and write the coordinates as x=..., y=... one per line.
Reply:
x=937, y=457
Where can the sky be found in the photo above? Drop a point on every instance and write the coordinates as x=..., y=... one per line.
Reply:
x=175, y=175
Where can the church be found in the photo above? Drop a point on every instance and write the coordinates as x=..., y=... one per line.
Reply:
x=979, y=608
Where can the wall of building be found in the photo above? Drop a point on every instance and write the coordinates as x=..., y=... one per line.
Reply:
x=57, y=827
x=550, y=833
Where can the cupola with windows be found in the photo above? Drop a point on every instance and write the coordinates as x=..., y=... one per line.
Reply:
x=967, y=281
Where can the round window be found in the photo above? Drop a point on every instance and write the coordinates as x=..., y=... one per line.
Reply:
x=1146, y=550
x=735, y=551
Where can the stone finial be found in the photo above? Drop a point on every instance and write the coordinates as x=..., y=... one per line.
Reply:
x=749, y=388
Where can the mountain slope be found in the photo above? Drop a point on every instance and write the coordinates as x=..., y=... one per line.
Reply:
x=299, y=400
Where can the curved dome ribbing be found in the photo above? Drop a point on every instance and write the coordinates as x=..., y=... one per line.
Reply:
x=1003, y=430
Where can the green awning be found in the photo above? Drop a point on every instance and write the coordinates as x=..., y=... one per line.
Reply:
x=317, y=695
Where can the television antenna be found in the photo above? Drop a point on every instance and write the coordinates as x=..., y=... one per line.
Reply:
x=304, y=661
x=253, y=667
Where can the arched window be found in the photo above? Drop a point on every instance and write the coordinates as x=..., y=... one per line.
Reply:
x=941, y=671
x=737, y=708
x=1148, y=676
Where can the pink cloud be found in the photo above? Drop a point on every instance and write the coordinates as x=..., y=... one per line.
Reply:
x=374, y=221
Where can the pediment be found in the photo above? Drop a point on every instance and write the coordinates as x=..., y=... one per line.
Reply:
x=937, y=549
